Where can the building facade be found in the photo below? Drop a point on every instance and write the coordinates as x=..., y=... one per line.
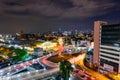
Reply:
x=38, y=51
x=97, y=32
x=107, y=47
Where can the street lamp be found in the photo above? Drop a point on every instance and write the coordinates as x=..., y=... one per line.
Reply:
x=28, y=72
x=18, y=75
x=45, y=69
x=8, y=78
x=36, y=71
x=73, y=66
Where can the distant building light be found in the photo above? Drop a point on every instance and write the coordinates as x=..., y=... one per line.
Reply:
x=8, y=78
x=44, y=68
x=16, y=46
x=28, y=72
x=73, y=66
x=116, y=44
x=18, y=75
x=36, y=71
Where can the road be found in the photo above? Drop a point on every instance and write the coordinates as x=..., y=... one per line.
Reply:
x=97, y=75
x=9, y=71
x=42, y=75
x=76, y=60
x=5, y=74
x=44, y=60
x=79, y=61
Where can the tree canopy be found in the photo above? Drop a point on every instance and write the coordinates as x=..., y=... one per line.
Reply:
x=20, y=54
x=65, y=69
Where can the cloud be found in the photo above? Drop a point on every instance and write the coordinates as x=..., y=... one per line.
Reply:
x=88, y=8
x=45, y=15
x=57, y=8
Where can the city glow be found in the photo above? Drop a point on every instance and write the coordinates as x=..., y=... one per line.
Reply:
x=47, y=45
x=29, y=48
x=60, y=40
x=92, y=44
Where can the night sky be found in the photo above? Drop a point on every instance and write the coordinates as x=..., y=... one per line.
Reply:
x=49, y=15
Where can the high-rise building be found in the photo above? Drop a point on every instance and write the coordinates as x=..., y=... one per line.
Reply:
x=97, y=32
x=107, y=47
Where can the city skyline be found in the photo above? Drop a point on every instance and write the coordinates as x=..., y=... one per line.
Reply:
x=62, y=54
x=49, y=15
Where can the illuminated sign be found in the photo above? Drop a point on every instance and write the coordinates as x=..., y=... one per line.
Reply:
x=108, y=67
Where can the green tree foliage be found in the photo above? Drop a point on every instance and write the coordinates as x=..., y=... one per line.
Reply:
x=20, y=54
x=65, y=69
x=2, y=52
x=11, y=48
x=90, y=52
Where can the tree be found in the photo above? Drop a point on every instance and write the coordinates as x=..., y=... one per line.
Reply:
x=65, y=69
x=2, y=52
x=20, y=54
x=11, y=48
